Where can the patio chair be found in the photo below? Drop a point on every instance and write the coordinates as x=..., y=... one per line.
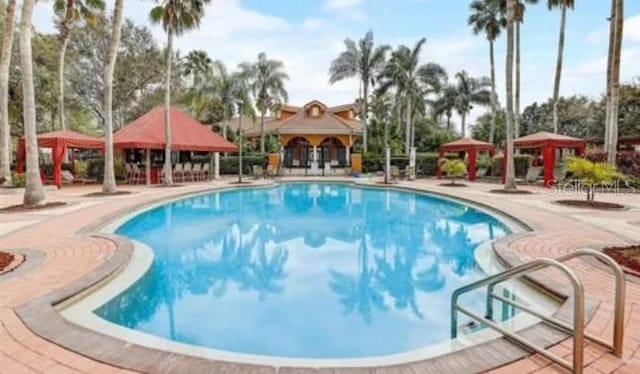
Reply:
x=129, y=172
x=533, y=174
x=205, y=170
x=196, y=172
x=138, y=175
x=271, y=171
x=178, y=173
x=258, y=172
x=481, y=173
x=68, y=178
x=559, y=173
x=187, y=172
x=394, y=172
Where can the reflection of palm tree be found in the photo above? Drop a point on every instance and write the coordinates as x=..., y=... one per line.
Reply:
x=456, y=248
x=268, y=272
x=360, y=293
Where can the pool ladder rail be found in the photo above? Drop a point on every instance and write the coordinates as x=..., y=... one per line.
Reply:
x=577, y=329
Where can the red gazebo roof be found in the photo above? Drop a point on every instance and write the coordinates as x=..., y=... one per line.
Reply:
x=70, y=139
x=147, y=132
x=543, y=138
x=465, y=144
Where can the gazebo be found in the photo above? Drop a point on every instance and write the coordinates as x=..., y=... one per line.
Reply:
x=471, y=147
x=59, y=142
x=548, y=143
x=187, y=134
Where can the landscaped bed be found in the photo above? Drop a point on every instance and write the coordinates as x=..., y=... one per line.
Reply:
x=5, y=260
x=511, y=192
x=590, y=204
x=627, y=257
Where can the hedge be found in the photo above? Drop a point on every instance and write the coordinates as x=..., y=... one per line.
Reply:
x=628, y=163
x=522, y=164
x=425, y=163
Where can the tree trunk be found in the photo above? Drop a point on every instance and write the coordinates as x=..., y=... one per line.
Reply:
x=109, y=182
x=241, y=147
x=510, y=180
x=168, y=171
x=5, y=63
x=556, y=81
x=365, y=114
x=615, y=83
x=262, y=134
x=407, y=135
x=516, y=114
x=34, y=193
x=463, y=124
x=224, y=129
x=607, y=124
x=449, y=123
x=64, y=43
x=494, y=109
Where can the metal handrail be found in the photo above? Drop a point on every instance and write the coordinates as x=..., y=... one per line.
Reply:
x=618, y=312
x=534, y=265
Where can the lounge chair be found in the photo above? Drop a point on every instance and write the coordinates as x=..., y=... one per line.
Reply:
x=533, y=174
x=258, y=172
x=178, y=173
x=68, y=178
x=196, y=172
x=394, y=172
x=481, y=173
x=187, y=172
x=138, y=175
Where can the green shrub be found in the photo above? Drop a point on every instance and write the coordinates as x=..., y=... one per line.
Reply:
x=592, y=174
x=229, y=164
x=19, y=180
x=522, y=164
x=425, y=163
x=454, y=169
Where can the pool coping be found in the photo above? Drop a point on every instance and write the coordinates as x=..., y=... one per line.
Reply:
x=41, y=316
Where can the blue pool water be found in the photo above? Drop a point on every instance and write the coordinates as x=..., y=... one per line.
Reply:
x=304, y=270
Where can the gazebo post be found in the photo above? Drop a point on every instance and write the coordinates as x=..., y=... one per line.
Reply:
x=22, y=155
x=473, y=154
x=73, y=160
x=216, y=166
x=148, y=166
x=549, y=156
x=58, y=152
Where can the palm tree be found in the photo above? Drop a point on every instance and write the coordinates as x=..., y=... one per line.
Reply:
x=365, y=61
x=445, y=104
x=34, y=193
x=225, y=86
x=563, y=5
x=245, y=108
x=70, y=12
x=176, y=17
x=266, y=81
x=109, y=182
x=5, y=63
x=488, y=18
x=470, y=91
x=613, y=80
x=519, y=18
x=412, y=82
x=197, y=65
x=510, y=178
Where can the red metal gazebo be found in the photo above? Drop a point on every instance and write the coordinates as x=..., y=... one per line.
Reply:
x=59, y=142
x=549, y=142
x=471, y=147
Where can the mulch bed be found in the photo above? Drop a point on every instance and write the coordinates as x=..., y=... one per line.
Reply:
x=33, y=208
x=5, y=260
x=627, y=257
x=102, y=194
x=243, y=182
x=449, y=184
x=168, y=186
x=511, y=192
x=591, y=204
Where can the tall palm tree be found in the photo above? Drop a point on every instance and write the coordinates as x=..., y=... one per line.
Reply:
x=510, y=178
x=412, y=82
x=365, y=61
x=176, y=17
x=488, y=18
x=519, y=19
x=69, y=13
x=613, y=80
x=225, y=87
x=470, y=91
x=5, y=63
x=266, y=80
x=445, y=104
x=245, y=108
x=34, y=193
x=109, y=180
x=563, y=5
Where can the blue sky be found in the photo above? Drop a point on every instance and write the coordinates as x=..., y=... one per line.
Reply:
x=308, y=34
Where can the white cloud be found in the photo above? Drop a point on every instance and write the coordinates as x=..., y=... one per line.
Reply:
x=342, y=4
x=313, y=23
x=632, y=29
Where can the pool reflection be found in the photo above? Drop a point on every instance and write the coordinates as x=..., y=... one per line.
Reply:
x=355, y=272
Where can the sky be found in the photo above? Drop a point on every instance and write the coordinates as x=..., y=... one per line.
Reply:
x=308, y=34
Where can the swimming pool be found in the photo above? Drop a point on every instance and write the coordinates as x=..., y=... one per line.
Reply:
x=303, y=270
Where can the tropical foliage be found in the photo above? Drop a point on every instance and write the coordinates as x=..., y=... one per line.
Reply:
x=592, y=174
x=454, y=169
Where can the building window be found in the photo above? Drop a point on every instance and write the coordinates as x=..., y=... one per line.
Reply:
x=315, y=111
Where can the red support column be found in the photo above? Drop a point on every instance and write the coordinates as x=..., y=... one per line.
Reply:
x=549, y=154
x=473, y=154
x=57, y=152
x=580, y=151
x=22, y=156
x=438, y=171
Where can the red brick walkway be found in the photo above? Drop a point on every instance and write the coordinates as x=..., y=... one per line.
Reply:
x=70, y=256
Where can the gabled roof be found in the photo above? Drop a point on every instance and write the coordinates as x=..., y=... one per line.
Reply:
x=187, y=134
x=302, y=123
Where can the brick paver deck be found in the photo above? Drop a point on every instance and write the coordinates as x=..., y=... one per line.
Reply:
x=68, y=256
